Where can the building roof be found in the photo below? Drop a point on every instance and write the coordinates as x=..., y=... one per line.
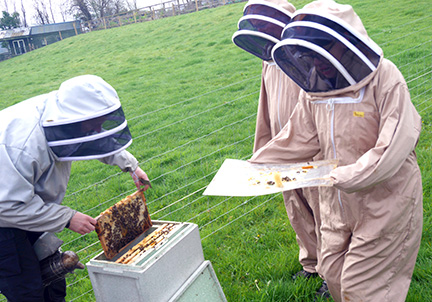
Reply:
x=14, y=33
x=55, y=27
x=25, y=32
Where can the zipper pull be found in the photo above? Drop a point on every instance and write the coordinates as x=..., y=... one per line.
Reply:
x=330, y=105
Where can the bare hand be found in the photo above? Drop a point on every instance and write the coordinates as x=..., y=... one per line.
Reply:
x=82, y=223
x=138, y=177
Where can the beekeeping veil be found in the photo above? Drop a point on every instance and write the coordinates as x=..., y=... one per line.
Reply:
x=325, y=47
x=84, y=120
x=261, y=26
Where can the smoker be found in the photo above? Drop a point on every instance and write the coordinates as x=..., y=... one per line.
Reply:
x=54, y=264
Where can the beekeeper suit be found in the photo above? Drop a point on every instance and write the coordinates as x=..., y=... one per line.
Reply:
x=260, y=28
x=39, y=139
x=356, y=108
x=278, y=97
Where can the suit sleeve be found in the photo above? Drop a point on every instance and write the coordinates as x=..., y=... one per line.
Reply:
x=399, y=131
x=296, y=142
x=124, y=160
x=20, y=206
x=263, y=127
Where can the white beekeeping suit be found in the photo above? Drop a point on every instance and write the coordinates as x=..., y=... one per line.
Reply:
x=40, y=137
x=356, y=108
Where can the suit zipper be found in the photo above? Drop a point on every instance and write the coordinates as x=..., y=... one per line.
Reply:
x=331, y=108
x=279, y=98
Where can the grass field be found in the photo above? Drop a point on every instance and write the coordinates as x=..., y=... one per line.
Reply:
x=190, y=96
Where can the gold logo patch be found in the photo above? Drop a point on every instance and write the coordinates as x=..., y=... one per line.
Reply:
x=358, y=113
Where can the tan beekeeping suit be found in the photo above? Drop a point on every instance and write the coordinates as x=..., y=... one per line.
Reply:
x=278, y=97
x=371, y=219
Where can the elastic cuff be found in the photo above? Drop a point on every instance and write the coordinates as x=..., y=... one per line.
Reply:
x=128, y=169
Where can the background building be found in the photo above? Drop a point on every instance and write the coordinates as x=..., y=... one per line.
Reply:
x=18, y=41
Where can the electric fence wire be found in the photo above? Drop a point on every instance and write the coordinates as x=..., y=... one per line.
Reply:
x=197, y=98
x=417, y=80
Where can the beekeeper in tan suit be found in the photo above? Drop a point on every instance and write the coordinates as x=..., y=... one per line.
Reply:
x=356, y=108
x=278, y=97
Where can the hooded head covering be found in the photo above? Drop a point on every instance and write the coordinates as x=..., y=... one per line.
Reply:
x=261, y=26
x=325, y=47
x=84, y=120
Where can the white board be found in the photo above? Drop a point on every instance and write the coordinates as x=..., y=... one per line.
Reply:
x=242, y=178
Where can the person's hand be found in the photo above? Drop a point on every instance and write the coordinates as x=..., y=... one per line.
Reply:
x=82, y=223
x=140, y=177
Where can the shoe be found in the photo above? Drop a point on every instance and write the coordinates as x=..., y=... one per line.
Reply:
x=323, y=291
x=304, y=274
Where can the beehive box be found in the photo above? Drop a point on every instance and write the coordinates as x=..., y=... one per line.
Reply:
x=157, y=275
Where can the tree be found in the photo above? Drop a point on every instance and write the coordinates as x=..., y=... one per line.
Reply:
x=63, y=9
x=131, y=4
x=87, y=10
x=102, y=8
x=51, y=10
x=24, y=15
x=9, y=21
x=80, y=8
x=41, y=13
x=6, y=5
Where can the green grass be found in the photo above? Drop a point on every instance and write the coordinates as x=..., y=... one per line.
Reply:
x=190, y=96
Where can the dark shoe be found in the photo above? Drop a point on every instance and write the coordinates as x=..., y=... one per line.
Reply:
x=323, y=291
x=304, y=274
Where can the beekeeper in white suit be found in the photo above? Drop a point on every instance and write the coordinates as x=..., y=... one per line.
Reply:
x=39, y=139
x=356, y=108
x=260, y=28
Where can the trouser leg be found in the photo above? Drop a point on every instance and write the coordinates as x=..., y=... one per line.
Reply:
x=301, y=213
x=373, y=260
x=380, y=269
x=334, y=246
x=56, y=291
x=20, y=277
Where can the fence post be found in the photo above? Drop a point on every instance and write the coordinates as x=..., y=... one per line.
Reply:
x=173, y=7
x=74, y=26
x=104, y=22
x=134, y=14
x=61, y=38
x=196, y=5
x=120, y=23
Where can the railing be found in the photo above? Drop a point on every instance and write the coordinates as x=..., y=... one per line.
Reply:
x=153, y=12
